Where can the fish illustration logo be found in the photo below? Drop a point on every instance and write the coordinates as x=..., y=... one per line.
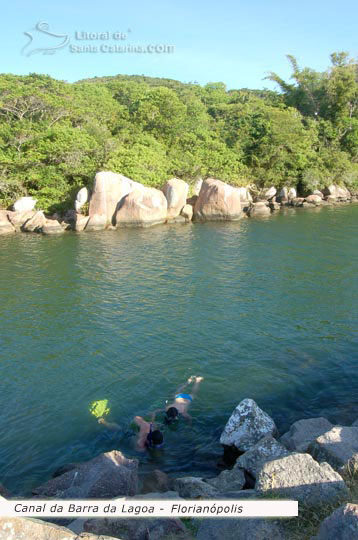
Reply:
x=41, y=33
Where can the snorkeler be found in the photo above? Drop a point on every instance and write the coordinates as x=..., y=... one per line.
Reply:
x=182, y=401
x=148, y=437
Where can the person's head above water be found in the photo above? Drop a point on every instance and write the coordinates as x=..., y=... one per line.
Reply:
x=155, y=439
x=171, y=414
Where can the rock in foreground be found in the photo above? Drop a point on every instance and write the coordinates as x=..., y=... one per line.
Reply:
x=241, y=529
x=138, y=529
x=303, y=432
x=338, y=446
x=176, y=192
x=246, y=426
x=217, y=201
x=35, y=529
x=108, y=475
x=301, y=478
x=341, y=525
x=267, y=449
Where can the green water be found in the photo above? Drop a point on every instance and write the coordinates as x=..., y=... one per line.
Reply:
x=263, y=309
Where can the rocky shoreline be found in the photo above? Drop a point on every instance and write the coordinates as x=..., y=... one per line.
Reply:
x=117, y=201
x=311, y=463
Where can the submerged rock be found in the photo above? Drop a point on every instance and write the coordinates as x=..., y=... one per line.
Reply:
x=142, y=208
x=303, y=432
x=338, y=446
x=299, y=476
x=176, y=192
x=108, y=475
x=342, y=524
x=217, y=201
x=247, y=425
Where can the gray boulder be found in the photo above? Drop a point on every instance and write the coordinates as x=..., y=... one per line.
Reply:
x=342, y=524
x=267, y=449
x=108, y=475
x=303, y=432
x=314, y=199
x=155, y=481
x=96, y=222
x=191, y=487
x=338, y=446
x=24, y=204
x=229, y=480
x=246, y=426
x=18, y=219
x=297, y=201
x=52, y=226
x=80, y=222
x=34, y=529
x=241, y=529
x=138, y=529
x=35, y=223
x=260, y=208
x=6, y=226
x=300, y=477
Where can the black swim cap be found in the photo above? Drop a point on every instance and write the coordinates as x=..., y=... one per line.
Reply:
x=155, y=439
x=172, y=414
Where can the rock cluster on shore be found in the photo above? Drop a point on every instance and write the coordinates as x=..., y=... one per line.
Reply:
x=305, y=464
x=117, y=201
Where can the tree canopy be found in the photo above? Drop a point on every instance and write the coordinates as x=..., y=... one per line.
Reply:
x=54, y=136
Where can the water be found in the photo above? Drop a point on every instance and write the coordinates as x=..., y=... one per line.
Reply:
x=265, y=309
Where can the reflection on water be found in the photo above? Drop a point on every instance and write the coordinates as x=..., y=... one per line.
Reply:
x=261, y=308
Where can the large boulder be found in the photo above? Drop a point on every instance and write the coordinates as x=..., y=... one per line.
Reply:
x=52, y=226
x=338, y=446
x=229, y=480
x=242, y=529
x=246, y=426
x=18, y=219
x=192, y=487
x=267, y=449
x=245, y=195
x=142, y=208
x=138, y=529
x=187, y=212
x=269, y=193
x=106, y=476
x=96, y=222
x=259, y=209
x=197, y=186
x=300, y=477
x=217, y=201
x=303, y=432
x=342, y=193
x=330, y=191
x=292, y=194
x=319, y=193
x=35, y=223
x=81, y=198
x=342, y=524
x=24, y=204
x=80, y=222
x=283, y=195
x=176, y=192
x=35, y=529
x=314, y=199
x=108, y=190
x=6, y=226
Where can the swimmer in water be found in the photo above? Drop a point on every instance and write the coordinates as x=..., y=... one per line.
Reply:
x=182, y=401
x=149, y=437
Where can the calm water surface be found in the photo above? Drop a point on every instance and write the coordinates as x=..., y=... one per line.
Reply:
x=263, y=309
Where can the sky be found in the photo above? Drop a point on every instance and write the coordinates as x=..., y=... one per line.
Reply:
x=233, y=41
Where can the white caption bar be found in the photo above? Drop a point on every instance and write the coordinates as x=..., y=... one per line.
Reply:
x=147, y=508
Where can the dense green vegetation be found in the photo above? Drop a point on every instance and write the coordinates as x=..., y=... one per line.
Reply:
x=54, y=136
